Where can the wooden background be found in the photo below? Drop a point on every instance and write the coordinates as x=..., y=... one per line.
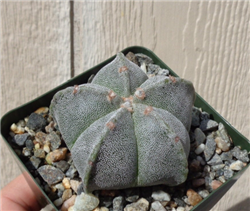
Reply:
x=44, y=43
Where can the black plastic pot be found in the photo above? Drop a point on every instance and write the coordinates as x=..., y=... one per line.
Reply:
x=21, y=112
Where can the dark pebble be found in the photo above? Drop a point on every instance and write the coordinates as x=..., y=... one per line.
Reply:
x=62, y=165
x=204, y=116
x=131, y=56
x=72, y=172
x=180, y=202
x=35, y=161
x=208, y=125
x=51, y=174
x=106, y=201
x=20, y=139
x=36, y=121
x=196, y=117
x=80, y=189
x=29, y=144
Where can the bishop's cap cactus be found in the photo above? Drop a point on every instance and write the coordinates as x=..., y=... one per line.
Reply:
x=125, y=129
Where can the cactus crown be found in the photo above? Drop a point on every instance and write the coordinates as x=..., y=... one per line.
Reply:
x=125, y=129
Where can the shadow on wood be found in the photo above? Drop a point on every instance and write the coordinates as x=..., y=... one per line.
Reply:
x=241, y=206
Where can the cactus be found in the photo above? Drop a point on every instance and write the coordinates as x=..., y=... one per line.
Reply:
x=126, y=130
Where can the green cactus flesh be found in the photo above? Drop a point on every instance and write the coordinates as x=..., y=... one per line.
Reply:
x=125, y=130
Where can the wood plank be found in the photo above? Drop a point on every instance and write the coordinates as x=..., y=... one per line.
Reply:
x=35, y=57
x=205, y=42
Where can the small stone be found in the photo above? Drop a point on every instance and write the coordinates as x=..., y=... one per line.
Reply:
x=160, y=196
x=180, y=202
x=188, y=208
x=37, y=146
x=85, y=202
x=157, y=206
x=58, y=202
x=59, y=193
x=210, y=148
x=39, y=153
x=50, y=127
x=20, y=139
x=205, y=115
x=29, y=144
x=131, y=56
x=40, y=137
x=208, y=183
x=42, y=110
x=163, y=72
x=221, y=132
x=215, y=184
x=36, y=121
x=217, y=167
x=172, y=204
x=133, y=198
x=68, y=203
x=193, y=197
x=141, y=205
x=180, y=209
x=208, y=125
x=199, y=136
x=26, y=152
x=62, y=165
x=226, y=155
x=200, y=149
x=74, y=184
x=143, y=59
x=118, y=203
x=196, y=117
x=54, y=140
x=17, y=129
x=198, y=182
x=106, y=201
x=60, y=187
x=203, y=193
x=66, y=194
x=66, y=183
x=35, y=161
x=218, y=150
x=51, y=174
x=46, y=147
x=72, y=172
x=241, y=155
x=228, y=173
x=101, y=209
x=216, y=160
x=153, y=69
x=207, y=169
x=222, y=179
x=223, y=145
x=56, y=155
x=237, y=165
x=31, y=132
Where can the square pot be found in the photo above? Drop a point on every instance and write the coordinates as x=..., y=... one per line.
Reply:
x=25, y=110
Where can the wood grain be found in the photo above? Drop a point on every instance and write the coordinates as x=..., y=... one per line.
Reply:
x=35, y=57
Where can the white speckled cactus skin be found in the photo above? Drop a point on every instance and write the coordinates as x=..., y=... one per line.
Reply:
x=125, y=130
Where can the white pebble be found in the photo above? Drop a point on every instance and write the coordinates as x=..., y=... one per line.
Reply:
x=86, y=202
x=58, y=202
x=200, y=149
x=161, y=196
x=157, y=206
x=237, y=165
x=180, y=209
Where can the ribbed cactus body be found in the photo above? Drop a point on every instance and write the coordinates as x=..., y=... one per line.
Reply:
x=125, y=130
